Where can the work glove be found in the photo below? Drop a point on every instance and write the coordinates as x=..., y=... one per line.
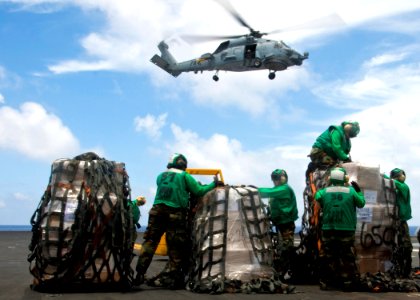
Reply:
x=141, y=200
x=217, y=182
x=348, y=159
x=355, y=186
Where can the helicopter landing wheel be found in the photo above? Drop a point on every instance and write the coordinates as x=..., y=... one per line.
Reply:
x=272, y=75
x=215, y=78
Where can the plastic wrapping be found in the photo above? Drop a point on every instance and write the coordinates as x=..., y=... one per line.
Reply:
x=231, y=238
x=82, y=229
x=375, y=234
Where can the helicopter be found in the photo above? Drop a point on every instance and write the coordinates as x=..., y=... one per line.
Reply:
x=239, y=53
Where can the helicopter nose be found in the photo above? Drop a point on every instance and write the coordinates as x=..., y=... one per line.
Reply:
x=298, y=58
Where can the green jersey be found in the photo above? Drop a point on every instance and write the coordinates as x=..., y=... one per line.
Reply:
x=174, y=187
x=338, y=205
x=334, y=142
x=136, y=211
x=282, y=203
x=403, y=200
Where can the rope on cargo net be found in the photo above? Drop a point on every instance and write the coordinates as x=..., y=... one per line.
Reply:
x=42, y=243
x=397, y=249
x=96, y=242
x=202, y=280
x=205, y=276
x=261, y=252
x=304, y=265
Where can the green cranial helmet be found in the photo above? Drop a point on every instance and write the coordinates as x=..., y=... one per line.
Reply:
x=395, y=173
x=338, y=176
x=277, y=174
x=355, y=128
x=177, y=161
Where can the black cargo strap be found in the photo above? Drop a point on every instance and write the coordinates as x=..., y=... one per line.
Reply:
x=203, y=278
x=253, y=223
x=97, y=241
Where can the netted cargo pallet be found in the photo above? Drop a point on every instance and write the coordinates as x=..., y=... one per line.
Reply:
x=376, y=236
x=232, y=244
x=83, y=226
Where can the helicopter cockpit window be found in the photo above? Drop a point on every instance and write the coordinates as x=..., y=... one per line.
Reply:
x=283, y=45
x=222, y=46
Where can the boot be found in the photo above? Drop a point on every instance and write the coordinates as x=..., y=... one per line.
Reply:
x=138, y=280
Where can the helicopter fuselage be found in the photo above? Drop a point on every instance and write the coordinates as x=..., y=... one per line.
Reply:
x=237, y=55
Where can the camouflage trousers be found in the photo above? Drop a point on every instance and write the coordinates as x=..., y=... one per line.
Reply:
x=319, y=157
x=285, y=247
x=406, y=247
x=337, y=258
x=171, y=220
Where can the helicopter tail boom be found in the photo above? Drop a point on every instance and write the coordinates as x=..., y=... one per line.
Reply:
x=167, y=62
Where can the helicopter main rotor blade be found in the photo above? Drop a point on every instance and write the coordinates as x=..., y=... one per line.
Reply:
x=226, y=4
x=190, y=38
x=324, y=22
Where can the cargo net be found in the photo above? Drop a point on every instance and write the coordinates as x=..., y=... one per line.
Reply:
x=82, y=230
x=377, y=244
x=232, y=249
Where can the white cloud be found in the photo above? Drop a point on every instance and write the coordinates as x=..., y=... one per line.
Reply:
x=240, y=166
x=117, y=44
x=388, y=134
x=132, y=30
x=388, y=139
x=150, y=124
x=1, y=99
x=21, y=197
x=34, y=132
x=261, y=95
x=384, y=59
x=381, y=79
x=72, y=66
x=8, y=79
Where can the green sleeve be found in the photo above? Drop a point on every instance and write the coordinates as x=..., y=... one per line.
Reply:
x=318, y=196
x=280, y=191
x=403, y=189
x=359, y=198
x=195, y=188
x=336, y=145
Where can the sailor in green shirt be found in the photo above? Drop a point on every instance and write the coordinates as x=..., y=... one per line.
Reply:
x=337, y=257
x=403, y=201
x=169, y=214
x=334, y=144
x=139, y=201
x=283, y=214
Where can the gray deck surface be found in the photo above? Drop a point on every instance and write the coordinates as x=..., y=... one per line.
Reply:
x=15, y=281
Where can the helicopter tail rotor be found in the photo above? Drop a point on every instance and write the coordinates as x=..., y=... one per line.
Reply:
x=166, y=61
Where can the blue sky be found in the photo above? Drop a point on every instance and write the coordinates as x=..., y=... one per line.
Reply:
x=75, y=76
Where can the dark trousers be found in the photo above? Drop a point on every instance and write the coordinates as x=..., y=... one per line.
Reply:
x=163, y=219
x=337, y=258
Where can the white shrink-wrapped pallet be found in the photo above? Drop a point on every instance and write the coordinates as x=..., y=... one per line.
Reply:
x=231, y=238
x=82, y=228
x=375, y=234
